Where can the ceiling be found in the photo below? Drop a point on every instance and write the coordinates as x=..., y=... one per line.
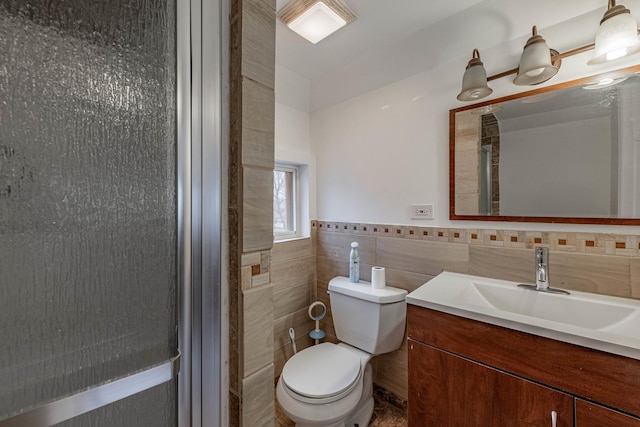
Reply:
x=395, y=39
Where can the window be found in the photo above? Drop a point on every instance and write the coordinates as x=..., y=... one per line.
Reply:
x=286, y=211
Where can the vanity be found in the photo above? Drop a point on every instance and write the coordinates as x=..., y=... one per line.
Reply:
x=483, y=352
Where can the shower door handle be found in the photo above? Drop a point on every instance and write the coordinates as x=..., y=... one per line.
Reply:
x=96, y=397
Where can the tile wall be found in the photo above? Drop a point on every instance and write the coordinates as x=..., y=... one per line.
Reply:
x=250, y=214
x=602, y=263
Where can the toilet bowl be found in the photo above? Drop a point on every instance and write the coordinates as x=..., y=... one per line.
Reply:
x=330, y=384
x=326, y=385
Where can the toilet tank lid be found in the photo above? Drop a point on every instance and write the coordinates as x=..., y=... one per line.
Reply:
x=364, y=291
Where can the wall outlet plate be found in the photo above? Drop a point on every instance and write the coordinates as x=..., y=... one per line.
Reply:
x=421, y=212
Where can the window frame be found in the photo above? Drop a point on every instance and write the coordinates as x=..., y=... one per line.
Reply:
x=295, y=203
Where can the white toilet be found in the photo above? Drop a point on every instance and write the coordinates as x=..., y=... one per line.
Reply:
x=332, y=384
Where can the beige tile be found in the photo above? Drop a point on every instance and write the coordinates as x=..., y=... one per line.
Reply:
x=250, y=259
x=257, y=214
x=299, y=321
x=258, y=106
x=502, y=263
x=260, y=280
x=258, y=42
x=258, y=406
x=258, y=148
x=293, y=272
x=635, y=277
x=405, y=279
x=328, y=268
x=391, y=371
x=292, y=249
x=338, y=245
x=257, y=335
x=420, y=256
x=601, y=274
x=290, y=300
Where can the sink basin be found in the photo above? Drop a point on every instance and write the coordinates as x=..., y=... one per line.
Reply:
x=602, y=322
x=572, y=310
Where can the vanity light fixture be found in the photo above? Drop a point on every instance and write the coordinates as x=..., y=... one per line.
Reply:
x=316, y=19
x=474, y=81
x=535, y=62
x=617, y=37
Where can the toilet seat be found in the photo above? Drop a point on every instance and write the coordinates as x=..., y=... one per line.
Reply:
x=321, y=374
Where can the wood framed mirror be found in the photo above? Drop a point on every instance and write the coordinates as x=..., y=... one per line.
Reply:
x=567, y=153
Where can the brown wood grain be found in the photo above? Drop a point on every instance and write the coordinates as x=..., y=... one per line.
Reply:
x=595, y=375
x=448, y=391
x=589, y=414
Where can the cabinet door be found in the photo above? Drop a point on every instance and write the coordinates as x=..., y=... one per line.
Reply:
x=449, y=391
x=591, y=415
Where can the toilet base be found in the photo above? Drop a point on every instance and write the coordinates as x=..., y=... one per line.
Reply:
x=363, y=415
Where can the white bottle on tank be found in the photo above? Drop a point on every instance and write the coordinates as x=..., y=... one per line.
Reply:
x=354, y=263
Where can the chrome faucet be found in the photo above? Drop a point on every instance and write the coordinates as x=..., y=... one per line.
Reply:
x=542, y=269
x=542, y=274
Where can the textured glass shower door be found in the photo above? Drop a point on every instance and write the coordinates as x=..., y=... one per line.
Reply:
x=88, y=217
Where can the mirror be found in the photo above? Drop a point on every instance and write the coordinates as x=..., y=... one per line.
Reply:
x=564, y=153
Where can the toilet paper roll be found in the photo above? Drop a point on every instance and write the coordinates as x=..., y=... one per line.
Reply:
x=377, y=278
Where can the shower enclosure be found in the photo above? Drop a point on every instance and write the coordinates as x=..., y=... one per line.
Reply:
x=111, y=118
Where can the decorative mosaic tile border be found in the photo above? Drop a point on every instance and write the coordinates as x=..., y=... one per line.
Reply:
x=588, y=243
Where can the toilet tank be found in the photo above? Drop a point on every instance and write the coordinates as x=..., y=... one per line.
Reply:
x=370, y=319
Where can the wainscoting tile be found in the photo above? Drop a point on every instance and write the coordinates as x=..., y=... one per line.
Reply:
x=299, y=321
x=294, y=272
x=391, y=371
x=257, y=209
x=502, y=263
x=329, y=268
x=423, y=257
x=635, y=277
x=405, y=279
x=291, y=249
x=292, y=299
x=258, y=113
x=590, y=273
x=258, y=405
x=258, y=42
x=338, y=245
x=258, y=315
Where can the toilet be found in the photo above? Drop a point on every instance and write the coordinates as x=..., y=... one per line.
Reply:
x=332, y=384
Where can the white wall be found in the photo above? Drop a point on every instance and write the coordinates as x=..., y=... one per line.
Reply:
x=292, y=133
x=386, y=149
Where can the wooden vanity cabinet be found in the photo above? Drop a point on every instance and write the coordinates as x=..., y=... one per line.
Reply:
x=589, y=414
x=464, y=372
x=449, y=391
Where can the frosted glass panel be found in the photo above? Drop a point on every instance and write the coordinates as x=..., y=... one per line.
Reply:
x=87, y=196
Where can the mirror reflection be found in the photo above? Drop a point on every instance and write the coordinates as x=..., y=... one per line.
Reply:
x=572, y=152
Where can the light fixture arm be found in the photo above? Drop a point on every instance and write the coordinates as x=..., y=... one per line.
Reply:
x=554, y=57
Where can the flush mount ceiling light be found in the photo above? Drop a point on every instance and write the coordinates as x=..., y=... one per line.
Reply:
x=617, y=37
x=316, y=19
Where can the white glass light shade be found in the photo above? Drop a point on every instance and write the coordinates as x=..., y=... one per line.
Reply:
x=617, y=36
x=535, y=62
x=474, y=81
x=317, y=23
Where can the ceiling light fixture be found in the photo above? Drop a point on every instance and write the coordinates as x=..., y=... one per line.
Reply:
x=316, y=19
x=617, y=37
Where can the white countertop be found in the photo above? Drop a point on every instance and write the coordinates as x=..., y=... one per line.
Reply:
x=600, y=322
